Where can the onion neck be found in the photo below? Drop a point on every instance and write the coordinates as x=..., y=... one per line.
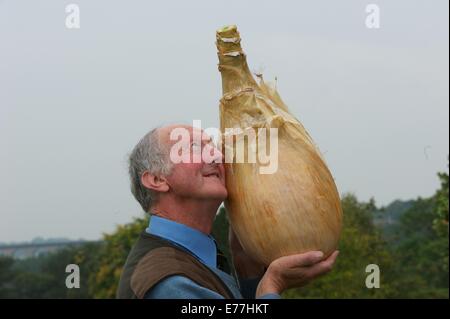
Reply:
x=233, y=66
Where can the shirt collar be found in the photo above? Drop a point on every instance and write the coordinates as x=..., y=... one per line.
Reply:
x=201, y=245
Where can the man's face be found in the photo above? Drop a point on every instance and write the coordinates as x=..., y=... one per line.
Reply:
x=203, y=179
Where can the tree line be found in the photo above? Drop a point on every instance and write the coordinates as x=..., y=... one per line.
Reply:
x=412, y=256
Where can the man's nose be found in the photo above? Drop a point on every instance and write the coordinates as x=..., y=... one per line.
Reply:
x=216, y=157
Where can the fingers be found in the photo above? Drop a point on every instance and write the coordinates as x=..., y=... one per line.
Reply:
x=332, y=258
x=306, y=259
x=324, y=266
x=297, y=270
x=312, y=260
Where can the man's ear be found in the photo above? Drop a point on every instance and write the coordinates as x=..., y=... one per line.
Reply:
x=154, y=182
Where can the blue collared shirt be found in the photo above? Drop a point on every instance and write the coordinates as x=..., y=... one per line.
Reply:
x=201, y=246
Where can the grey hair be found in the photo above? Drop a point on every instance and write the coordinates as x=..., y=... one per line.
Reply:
x=147, y=155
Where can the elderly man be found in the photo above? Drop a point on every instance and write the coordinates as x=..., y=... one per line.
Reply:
x=176, y=256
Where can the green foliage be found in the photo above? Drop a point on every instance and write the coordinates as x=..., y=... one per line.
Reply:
x=220, y=232
x=422, y=247
x=440, y=223
x=387, y=218
x=360, y=245
x=42, y=277
x=411, y=252
x=104, y=281
x=7, y=288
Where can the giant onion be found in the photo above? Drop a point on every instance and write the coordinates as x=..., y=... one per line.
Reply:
x=295, y=209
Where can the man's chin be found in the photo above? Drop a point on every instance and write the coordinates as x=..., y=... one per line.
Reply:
x=219, y=194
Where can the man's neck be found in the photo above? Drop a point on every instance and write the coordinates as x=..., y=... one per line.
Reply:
x=197, y=214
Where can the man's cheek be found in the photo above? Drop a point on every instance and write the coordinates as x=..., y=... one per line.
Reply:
x=190, y=168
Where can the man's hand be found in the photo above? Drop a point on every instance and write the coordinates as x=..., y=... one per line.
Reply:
x=294, y=271
x=245, y=266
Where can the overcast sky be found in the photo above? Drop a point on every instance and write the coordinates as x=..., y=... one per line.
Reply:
x=73, y=102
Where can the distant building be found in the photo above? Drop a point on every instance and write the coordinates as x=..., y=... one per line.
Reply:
x=27, y=250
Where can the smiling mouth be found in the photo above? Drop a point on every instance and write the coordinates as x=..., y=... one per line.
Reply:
x=213, y=175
